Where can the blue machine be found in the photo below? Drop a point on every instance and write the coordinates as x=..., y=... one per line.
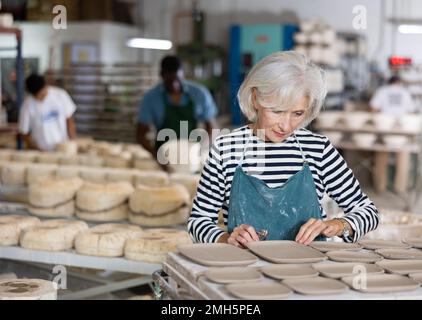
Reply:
x=248, y=45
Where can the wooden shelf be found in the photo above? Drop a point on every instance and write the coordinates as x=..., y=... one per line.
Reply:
x=107, y=97
x=368, y=130
x=413, y=148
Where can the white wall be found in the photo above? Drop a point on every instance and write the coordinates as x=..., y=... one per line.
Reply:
x=158, y=23
x=39, y=37
x=339, y=13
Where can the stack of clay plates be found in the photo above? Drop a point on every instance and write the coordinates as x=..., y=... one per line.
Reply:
x=106, y=240
x=190, y=181
x=25, y=156
x=259, y=291
x=159, y=206
x=11, y=227
x=289, y=271
x=13, y=174
x=217, y=254
x=226, y=275
x=151, y=178
x=27, y=289
x=93, y=175
x=103, y=202
x=52, y=235
x=285, y=252
x=49, y=157
x=154, y=244
x=53, y=198
x=119, y=175
x=67, y=172
x=68, y=147
x=38, y=172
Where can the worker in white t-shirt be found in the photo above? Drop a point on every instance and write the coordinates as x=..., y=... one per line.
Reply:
x=395, y=100
x=46, y=116
x=392, y=99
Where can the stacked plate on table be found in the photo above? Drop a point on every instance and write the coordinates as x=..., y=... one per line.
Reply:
x=367, y=266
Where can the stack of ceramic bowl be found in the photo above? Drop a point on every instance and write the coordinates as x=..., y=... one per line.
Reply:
x=364, y=139
x=334, y=136
x=394, y=140
x=410, y=122
x=357, y=119
x=383, y=122
x=329, y=119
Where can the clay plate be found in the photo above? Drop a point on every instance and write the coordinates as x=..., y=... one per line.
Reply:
x=289, y=271
x=316, y=286
x=259, y=291
x=217, y=254
x=285, y=252
x=325, y=246
x=416, y=276
x=401, y=266
x=384, y=283
x=338, y=270
x=233, y=275
x=414, y=242
x=351, y=256
x=400, y=254
x=383, y=244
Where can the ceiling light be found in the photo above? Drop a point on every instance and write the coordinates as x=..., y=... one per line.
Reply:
x=410, y=28
x=144, y=43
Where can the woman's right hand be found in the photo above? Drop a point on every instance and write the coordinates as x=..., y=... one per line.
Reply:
x=242, y=235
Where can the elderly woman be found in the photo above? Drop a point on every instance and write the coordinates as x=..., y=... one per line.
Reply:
x=271, y=175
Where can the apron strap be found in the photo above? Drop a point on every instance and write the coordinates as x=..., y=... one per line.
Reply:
x=245, y=148
x=300, y=148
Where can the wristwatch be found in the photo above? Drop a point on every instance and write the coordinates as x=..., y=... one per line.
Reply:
x=346, y=232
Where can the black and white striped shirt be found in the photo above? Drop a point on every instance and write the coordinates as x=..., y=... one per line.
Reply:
x=275, y=163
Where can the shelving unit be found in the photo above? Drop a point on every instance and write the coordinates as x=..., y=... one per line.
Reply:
x=354, y=63
x=107, y=97
x=20, y=72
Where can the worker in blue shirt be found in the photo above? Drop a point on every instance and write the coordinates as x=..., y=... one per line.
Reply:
x=172, y=101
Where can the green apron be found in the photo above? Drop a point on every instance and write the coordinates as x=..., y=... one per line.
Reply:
x=282, y=210
x=174, y=114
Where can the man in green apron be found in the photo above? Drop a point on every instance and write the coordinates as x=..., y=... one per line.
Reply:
x=176, y=105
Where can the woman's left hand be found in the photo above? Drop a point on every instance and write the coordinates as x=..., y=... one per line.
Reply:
x=314, y=227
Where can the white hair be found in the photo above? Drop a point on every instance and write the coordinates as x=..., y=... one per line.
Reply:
x=288, y=76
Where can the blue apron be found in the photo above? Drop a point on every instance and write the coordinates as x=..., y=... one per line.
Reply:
x=282, y=210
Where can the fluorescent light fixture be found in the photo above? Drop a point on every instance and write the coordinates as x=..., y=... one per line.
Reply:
x=144, y=43
x=410, y=28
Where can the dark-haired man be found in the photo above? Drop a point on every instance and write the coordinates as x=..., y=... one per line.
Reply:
x=172, y=101
x=46, y=116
